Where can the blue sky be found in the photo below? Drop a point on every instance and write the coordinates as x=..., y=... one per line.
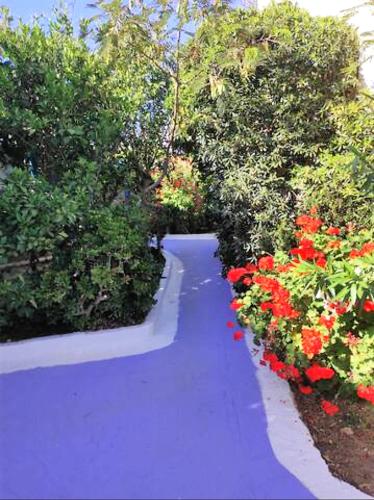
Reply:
x=26, y=9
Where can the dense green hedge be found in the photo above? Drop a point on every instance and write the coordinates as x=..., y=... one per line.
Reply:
x=99, y=270
x=69, y=122
x=260, y=85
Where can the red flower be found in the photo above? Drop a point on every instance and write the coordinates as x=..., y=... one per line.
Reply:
x=309, y=224
x=334, y=244
x=251, y=268
x=327, y=322
x=270, y=357
x=292, y=372
x=305, y=389
x=230, y=324
x=266, y=263
x=235, y=305
x=317, y=372
x=235, y=274
x=368, y=306
x=311, y=342
x=285, y=372
x=339, y=307
x=366, y=249
x=329, y=408
x=306, y=251
x=239, y=335
x=305, y=243
x=247, y=281
x=333, y=231
x=285, y=310
x=276, y=366
x=280, y=294
x=355, y=253
x=267, y=284
x=313, y=210
x=321, y=262
x=285, y=268
x=265, y=306
x=280, y=307
x=366, y=393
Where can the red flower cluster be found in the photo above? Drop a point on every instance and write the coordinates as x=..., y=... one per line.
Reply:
x=334, y=244
x=311, y=342
x=266, y=263
x=280, y=305
x=235, y=274
x=366, y=249
x=284, y=371
x=286, y=267
x=333, y=231
x=339, y=308
x=369, y=306
x=266, y=284
x=317, y=372
x=308, y=224
x=289, y=372
x=235, y=305
x=305, y=389
x=328, y=322
x=321, y=262
x=366, y=393
x=329, y=408
x=251, y=268
x=306, y=251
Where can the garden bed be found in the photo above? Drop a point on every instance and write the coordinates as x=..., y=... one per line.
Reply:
x=157, y=331
x=26, y=329
x=345, y=440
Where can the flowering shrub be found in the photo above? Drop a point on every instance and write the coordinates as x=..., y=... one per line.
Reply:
x=182, y=197
x=313, y=309
x=257, y=103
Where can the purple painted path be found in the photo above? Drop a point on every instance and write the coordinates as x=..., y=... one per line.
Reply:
x=183, y=422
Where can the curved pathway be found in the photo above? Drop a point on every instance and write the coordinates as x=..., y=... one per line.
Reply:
x=185, y=422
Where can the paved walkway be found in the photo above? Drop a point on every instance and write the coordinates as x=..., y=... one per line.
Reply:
x=183, y=422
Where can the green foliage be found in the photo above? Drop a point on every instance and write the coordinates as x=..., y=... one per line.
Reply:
x=89, y=266
x=183, y=199
x=335, y=190
x=341, y=182
x=77, y=128
x=256, y=212
x=256, y=96
x=60, y=102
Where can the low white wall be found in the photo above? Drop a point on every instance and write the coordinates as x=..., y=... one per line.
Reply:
x=157, y=331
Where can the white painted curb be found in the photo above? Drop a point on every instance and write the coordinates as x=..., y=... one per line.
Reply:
x=291, y=440
x=157, y=331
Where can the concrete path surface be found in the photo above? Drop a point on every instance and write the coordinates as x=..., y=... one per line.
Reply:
x=183, y=422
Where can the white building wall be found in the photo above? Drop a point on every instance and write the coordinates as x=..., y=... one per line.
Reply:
x=363, y=21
